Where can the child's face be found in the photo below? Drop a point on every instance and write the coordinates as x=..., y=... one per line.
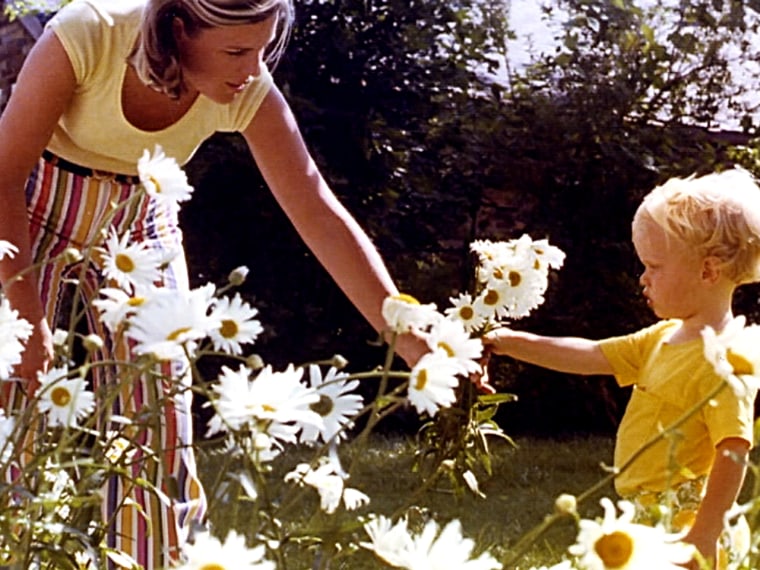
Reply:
x=672, y=272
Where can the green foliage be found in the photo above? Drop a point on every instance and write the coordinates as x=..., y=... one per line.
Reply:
x=430, y=147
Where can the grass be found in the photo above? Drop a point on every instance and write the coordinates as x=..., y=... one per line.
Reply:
x=525, y=483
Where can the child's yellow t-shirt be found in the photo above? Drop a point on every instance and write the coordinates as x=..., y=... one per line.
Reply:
x=98, y=36
x=669, y=380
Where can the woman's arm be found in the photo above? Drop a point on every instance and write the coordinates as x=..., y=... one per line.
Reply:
x=43, y=90
x=326, y=227
x=566, y=354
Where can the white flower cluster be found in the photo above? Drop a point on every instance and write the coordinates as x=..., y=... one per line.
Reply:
x=434, y=378
x=512, y=278
x=276, y=408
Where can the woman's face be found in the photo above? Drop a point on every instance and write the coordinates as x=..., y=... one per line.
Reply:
x=220, y=62
x=672, y=272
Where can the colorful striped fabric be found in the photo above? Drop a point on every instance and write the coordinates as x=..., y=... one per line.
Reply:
x=67, y=209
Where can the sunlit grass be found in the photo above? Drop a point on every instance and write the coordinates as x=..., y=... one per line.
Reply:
x=525, y=483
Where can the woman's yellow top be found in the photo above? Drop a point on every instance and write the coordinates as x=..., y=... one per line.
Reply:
x=98, y=36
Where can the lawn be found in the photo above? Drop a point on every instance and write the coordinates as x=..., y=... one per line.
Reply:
x=526, y=481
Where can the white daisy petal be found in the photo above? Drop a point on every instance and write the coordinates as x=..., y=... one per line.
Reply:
x=209, y=552
x=237, y=326
x=432, y=382
x=162, y=178
x=64, y=400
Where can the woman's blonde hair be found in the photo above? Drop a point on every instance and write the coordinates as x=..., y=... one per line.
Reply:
x=156, y=58
x=717, y=214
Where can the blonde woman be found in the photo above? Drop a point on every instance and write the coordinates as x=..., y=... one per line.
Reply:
x=107, y=80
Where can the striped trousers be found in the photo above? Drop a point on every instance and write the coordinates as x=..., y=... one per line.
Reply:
x=67, y=208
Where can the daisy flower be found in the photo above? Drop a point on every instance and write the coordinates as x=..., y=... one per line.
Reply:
x=172, y=321
x=162, y=178
x=330, y=486
x=209, y=552
x=237, y=324
x=619, y=544
x=388, y=541
x=547, y=255
x=432, y=382
x=272, y=399
x=64, y=400
x=728, y=353
x=449, y=549
x=14, y=331
x=490, y=301
x=464, y=310
x=403, y=313
x=524, y=291
x=7, y=249
x=129, y=264
x=451, y=337
x=336, y=405
x=116, y=306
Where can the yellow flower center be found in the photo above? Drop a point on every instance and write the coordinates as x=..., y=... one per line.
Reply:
x=212, y=566
x=406, y=299
x=136, y=301
x=515, y=278
x=466, y=313
x=498, y=273
x=421, y=380
x=174, y=335
x=229, y=328
x=60, y=396
x=492, y=297
x=740, y=364
x=323, y=406
x=124, y=263
x=447, y=349
x=615, y=549
x=155, y=183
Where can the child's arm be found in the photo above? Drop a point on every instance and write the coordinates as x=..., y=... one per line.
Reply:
x=723, y=486
x=566, y=354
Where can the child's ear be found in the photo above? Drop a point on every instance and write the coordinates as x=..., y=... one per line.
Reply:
x=712, y=268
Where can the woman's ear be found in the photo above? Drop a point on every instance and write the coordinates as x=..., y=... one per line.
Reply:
x=178, y=29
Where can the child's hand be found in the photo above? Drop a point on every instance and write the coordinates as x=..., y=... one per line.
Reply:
x=495, y=341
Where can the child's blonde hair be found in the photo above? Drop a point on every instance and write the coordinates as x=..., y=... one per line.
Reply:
x=717, y=214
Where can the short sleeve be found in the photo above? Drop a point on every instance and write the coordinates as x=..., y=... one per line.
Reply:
x=628, y=354
x=729, y=415
x=241, y=111
x=80, y=28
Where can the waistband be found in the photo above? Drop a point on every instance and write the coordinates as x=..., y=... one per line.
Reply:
x=86, y=172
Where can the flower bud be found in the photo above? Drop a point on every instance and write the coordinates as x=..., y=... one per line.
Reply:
x=72, y=255
x=237, y=276
x=566, y=504
x=92, y=342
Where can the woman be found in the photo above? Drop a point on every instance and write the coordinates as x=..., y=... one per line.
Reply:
x=108, y=79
